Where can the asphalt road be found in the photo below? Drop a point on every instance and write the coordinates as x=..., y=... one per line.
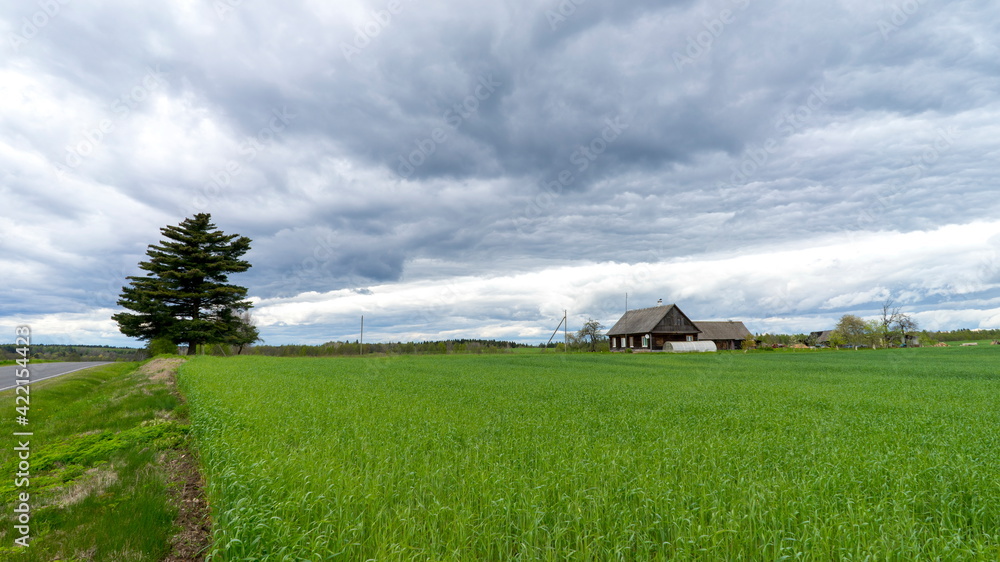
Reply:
x=41, y=371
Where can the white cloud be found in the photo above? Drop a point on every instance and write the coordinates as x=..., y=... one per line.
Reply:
x=782, y=283
x=69, y=328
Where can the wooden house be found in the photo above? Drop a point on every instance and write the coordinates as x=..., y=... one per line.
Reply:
x=657, y=328
x=647, y=329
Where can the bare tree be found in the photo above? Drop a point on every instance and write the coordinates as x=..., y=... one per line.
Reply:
x=894, y=324
x=591, y=330
x=246, y=331
x=890, y=313
x=906, y=325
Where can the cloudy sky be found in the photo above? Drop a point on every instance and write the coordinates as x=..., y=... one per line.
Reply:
x=456, y=169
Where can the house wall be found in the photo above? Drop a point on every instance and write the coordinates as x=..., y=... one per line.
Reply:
x=655, y=344
x=630, y=341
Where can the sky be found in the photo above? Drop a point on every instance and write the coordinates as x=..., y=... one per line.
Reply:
x=457, y=170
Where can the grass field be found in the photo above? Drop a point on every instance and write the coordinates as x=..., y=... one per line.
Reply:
x=839, y=455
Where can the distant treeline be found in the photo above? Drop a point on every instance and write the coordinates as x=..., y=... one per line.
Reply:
x=962, y=335
x=926, y=337
x=768, y=340
x=44, y=352
x=391, y=348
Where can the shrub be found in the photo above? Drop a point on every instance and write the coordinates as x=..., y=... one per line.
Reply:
x=161, y=346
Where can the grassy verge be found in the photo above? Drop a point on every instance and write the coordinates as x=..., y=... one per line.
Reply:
x=104, y=441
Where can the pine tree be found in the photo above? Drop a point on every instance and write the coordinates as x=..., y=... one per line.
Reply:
x=185, y=296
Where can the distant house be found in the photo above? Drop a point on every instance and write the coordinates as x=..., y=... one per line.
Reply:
x=667, y=328
x=821, y=338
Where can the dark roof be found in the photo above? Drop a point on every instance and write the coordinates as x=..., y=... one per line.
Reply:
x=639, y=320
x=642, y=320
x=821, y=336
x=722, y=330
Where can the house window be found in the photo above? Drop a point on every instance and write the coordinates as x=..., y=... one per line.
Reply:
x=645, y=340
x=690, y=338
x=631, y=341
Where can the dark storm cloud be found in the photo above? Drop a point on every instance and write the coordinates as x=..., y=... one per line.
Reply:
x=357, y=142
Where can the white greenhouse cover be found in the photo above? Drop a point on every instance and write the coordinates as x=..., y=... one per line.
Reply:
x=688, y=346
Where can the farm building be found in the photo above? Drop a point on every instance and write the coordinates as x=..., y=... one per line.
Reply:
x=726, y=335
x=821, y=338
x=660, y=327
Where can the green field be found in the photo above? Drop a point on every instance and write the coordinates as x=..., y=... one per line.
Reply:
x=838, y=455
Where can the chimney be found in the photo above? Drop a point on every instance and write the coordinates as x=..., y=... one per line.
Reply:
x=659, y=302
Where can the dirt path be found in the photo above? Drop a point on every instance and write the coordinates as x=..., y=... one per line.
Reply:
x=185, y=483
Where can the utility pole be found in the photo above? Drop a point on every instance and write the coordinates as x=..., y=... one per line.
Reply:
x=556, y=331
x=565, y=333
x=362, y=340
